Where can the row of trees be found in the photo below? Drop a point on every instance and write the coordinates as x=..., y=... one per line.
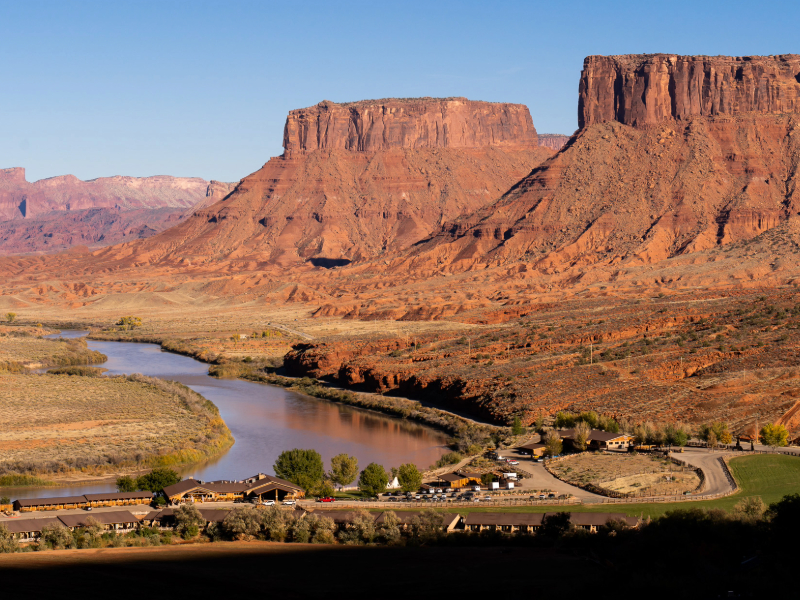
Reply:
x=306, y=469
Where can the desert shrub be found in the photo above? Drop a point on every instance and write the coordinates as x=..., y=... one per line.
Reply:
x=56, y=537
x=188, y=521
x=8, y=543
x=360, y=529
x=451, y=458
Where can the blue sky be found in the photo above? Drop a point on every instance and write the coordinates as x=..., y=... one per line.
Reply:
x=202, y=88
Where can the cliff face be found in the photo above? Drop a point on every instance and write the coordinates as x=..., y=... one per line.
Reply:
x=375, y=125
x=646, y=89
x=357, y=181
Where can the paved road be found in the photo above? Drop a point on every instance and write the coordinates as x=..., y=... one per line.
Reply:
x=290, y=330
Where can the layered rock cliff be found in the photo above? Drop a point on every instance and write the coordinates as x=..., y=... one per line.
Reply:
x=644, y=89
x=358, y=181
x=414, y=123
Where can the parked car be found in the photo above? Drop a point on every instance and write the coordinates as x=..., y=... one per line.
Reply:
x=88, y=508
x=476, y=499
x=289, y=502
x=476, y=488
x=448, y=490
x=268, y=502
x=438, y=490
x=418, y=497
x=542, y=496
x=551, y=496
x=487, y=497
x=513, y=462
x=327, y=499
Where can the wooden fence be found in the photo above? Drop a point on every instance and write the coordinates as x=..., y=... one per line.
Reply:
x=354, y=504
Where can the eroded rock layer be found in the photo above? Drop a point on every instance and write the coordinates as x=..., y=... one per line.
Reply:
x=374, y=125
x=357, y=181
x=644, y=89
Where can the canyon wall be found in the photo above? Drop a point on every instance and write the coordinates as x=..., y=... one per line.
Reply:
x=374, y=125
x=649, y=88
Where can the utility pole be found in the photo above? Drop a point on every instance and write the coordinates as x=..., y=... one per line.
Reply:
x=591, y=353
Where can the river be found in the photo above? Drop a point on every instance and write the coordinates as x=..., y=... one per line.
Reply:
x=265, y=420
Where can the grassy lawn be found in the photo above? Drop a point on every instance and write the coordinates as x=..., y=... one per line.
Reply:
x=770, y=476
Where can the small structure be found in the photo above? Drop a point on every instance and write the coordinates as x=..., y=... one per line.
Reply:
x=535, y=450
x=28, y=530
x=113, y=520
x=258, y=487
x=599, y=440
x=85, y=501
x=530, y=522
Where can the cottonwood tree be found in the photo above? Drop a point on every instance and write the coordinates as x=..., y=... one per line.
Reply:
x=128, y=323
x=157, y=479
x=409, y=477
x=126, y=483
x=301, y=467
x=11, y=317
x=582, y=432
x=774, y=435
x=188, y=521
x=552, y=444
x=344, y=469
x=373, y=479
x=276, y=523
x=516, y=427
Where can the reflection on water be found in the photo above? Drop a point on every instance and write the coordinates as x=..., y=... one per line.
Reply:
x=265, y=420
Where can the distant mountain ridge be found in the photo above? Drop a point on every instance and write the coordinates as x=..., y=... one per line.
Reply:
x=60, y=212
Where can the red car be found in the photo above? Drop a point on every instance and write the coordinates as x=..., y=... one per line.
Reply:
x=327, y=499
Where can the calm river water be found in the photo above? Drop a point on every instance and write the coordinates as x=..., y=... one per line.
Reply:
x=266, y=420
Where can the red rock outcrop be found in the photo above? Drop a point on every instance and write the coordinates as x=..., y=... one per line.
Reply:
x=554, y=141
x=375, y=125
x=642, y=89
x=357, y=181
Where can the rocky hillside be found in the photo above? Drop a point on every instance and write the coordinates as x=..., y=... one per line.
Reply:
x=58, y=213
x=640, y=184
x=554, y=141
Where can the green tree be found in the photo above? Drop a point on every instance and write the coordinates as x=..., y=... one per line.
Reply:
x=487, y=478
x=516, y=427
x=564, y=419
x=582, y=431
x=552, y=444
x=188, y=521
x=243, y=523
x=409, y=477
x=157, y=479
x=11, y=317
x=126, y=483
x=555, y=525
x=5, y=500
x=301, y=467
x=774, y=435
x=590, y=418
x=344, y=469
x=373, y=479
x=128, y=323
x=8, y=543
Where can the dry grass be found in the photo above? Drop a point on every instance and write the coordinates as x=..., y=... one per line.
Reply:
x=627, y=474
x=23, y=349
x=59, y=424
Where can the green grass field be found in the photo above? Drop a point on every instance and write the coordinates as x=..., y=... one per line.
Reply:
x=770, y=476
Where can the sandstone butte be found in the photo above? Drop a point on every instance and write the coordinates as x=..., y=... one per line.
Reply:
x=356, y=180
x=61, y=212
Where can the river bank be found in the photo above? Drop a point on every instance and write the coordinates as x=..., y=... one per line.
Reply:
x=263, y=371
